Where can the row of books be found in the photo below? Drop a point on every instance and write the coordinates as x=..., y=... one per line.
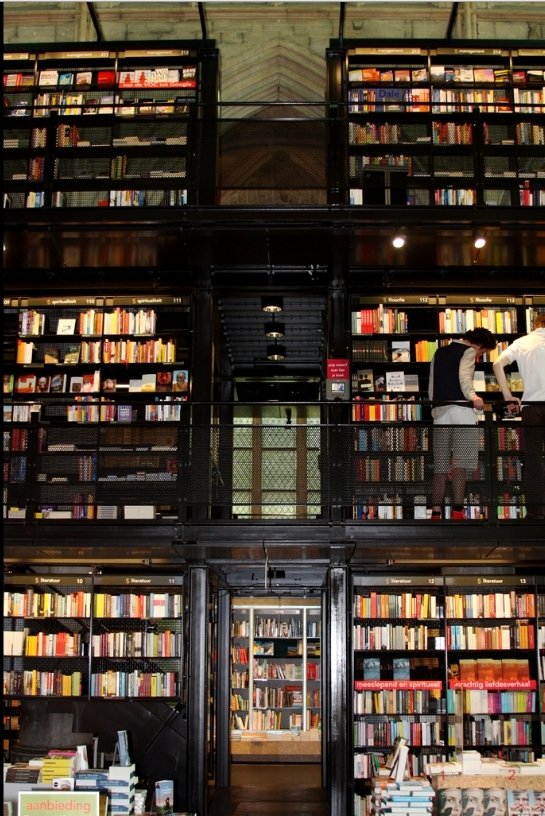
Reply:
x=162, y=77
x=448, y=133
x=37, y=383
x=79, y=104
x=446, y=73
x=515, y=635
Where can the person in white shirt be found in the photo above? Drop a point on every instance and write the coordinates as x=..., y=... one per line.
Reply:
x=528, y=353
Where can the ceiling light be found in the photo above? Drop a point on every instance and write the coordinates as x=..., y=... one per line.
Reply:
x=276, y=352
x=273, y=329
x=272, y=303
x=398, y=240
x=479, y=241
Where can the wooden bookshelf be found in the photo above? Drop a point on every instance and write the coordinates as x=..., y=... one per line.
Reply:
x=275, y=678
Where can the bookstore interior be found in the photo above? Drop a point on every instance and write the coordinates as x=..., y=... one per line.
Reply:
x=229, y=539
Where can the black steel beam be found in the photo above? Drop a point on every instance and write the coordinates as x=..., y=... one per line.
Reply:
x=96, y=21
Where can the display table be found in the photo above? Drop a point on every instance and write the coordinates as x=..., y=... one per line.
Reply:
x=259, y=746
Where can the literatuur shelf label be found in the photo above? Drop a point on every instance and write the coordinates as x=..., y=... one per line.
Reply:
x=385, y=685
x=493, y=685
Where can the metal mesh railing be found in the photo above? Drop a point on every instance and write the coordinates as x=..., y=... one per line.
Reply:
x=320, y=466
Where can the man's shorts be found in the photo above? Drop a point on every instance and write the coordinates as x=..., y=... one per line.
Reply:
x=456, y=440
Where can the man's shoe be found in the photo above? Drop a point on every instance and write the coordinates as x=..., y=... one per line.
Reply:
x=458, y=515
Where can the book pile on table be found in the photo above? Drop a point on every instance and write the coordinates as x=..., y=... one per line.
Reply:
x=407, y=798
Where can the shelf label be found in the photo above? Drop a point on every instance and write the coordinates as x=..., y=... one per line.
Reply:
x=77, y=55
x=386, y=51
x=396, y=300
x=398, y=581
x=493, y=685
x=139, y=580
x=17, y=55
x=157, y=52
x=32, y=581
x=490, y=581
x=407, y=685
x=482, y=300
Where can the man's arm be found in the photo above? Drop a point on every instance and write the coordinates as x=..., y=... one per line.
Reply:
x=499, y=372
x=466, y=373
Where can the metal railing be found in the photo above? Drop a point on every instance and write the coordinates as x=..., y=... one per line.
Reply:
x=320, y=465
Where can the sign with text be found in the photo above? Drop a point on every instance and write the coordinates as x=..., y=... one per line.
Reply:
x=85, y=803
x=338, y=379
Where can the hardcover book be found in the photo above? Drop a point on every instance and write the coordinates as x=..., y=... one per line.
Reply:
x=25, y=384
x=401, y=351
x=364, y=380
x=395, y=381
x=164, y=796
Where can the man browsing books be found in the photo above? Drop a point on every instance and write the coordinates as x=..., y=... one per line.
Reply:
x=455, y=435
x=528, y=353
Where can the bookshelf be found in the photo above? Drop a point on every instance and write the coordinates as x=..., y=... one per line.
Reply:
x=541, y=648
x=398, y=648
x=275, y=675
x=393, y=340
x=491, y=635
x=96, y=396
x=110, y=125
x=449, y=663
x=439, y=126
x=93, y=636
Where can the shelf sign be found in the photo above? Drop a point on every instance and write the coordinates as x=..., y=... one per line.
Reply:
x=67, y=802
x=338, y=379
x=400, y=685
x=493, y=685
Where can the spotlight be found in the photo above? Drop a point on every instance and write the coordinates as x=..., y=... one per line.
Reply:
x=272, y=303
x=398, y=240
x=479, y=241
x=276, y=352
x=274, y=330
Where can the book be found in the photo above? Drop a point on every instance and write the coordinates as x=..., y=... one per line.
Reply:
x=164, y=796
x=395, y=381
x=51, y=355
x=391, y=759
x=179, y=381
x=76, y=384
x=123, y=746
x=66, y=78
x=371, y=668
x=66, y=325
x=135, y=384
x=71, y=355
x=90, y=382
x=364, y=380
x=25, y=384
x=58, y=383
x=84, y=77
x=164, y=381
x=401, y=351
x=149, y=382
x=402, y=668
x=8, y=380
x=43, y=384
x=479, y=380
x=519, y=802
x=412, y=382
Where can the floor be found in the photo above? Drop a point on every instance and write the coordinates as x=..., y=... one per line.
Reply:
x=271, y=790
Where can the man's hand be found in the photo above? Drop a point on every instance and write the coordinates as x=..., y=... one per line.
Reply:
x=513, y=405
x=478, y=403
